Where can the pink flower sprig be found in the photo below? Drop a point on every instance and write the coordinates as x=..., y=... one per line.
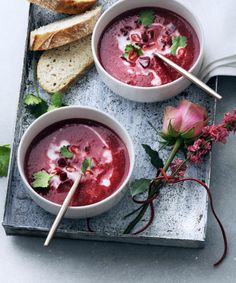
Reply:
x=184, y=127
x=229, y=121
x=212, y=134
x=178, y=168
x=198, y=150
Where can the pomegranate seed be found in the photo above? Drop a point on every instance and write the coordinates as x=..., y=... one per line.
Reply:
x=62, y=162
x=135, y=38
x=145, y=37
x=56, y=171
x=144, y=61
x=63, y=176
x=133, y=55
x=74, y=149
x=70, y=169
x=181, y=52
x=89, y=172
x=124, y=31
x=87, y=149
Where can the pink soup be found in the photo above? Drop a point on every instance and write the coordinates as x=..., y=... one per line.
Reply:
x=127, y=45
x=83, y=139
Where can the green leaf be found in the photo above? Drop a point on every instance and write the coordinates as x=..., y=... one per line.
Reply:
x=178, y=41
x=171, y=131
x=5, y=151
x=32, y=100
x=168, y=139
x=139, y=186
x=147, y=17
x=41, y=179
x=39, y=109
x=154, y=155
x=51, y=108
x=188, y=134
x=35, y=105
x=87, y=164
x=56, y=99
x=64, y=151
x=132, y=46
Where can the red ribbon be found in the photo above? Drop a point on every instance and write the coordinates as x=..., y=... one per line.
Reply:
x=174, y=180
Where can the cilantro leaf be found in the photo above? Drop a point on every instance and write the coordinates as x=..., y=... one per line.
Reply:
x=139, y=186
x=178, y=41
x=132, y=46
x=56, y=99
x=41, y=179
x=51, y=108
x=4, y=159
x=147, y=17
x=32, y=100
x=36, y=105
x=40, y=109
x=87, y=164
x=154, y=155
x=64, y=151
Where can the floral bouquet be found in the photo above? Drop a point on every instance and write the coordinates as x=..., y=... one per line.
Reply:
x=184, y=128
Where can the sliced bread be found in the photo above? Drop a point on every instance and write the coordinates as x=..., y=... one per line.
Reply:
x=64, y=31
x=59, y=68
x=65, y=6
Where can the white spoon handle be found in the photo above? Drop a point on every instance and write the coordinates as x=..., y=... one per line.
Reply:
x=62, y=211
x=189, y=76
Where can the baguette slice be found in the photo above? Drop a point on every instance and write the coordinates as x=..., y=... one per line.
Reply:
x=59, y=68
x=65, y=6
x=64, y=31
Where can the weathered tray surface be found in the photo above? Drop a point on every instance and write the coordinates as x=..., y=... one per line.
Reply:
x=181, y=211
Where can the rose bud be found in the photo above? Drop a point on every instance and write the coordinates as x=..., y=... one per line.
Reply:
x=186, y=120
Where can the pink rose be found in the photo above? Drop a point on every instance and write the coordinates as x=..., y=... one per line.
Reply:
x=187, y=120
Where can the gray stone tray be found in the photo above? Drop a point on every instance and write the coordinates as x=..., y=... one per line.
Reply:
x=181, y=210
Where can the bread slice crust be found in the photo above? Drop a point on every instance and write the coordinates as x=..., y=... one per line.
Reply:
x=60, y=68
x=64, y=35
x=71, y=7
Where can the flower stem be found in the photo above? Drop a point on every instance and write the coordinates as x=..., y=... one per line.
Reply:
x=173, y=153
x=154, y=187
x=134, y=222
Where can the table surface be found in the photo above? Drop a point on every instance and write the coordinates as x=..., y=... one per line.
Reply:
x=23, y=259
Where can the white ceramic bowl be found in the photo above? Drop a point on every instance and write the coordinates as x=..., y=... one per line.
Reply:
x=71, y=112
x=145, y=94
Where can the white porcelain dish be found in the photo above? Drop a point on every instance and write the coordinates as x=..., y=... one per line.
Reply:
x=145, y=94
x=72, y=112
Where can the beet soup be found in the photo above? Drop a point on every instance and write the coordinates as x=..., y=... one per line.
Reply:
x=56, y=155
x=127, y=45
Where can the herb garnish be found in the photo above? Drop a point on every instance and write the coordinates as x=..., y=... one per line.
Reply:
x=178, y=41
x=4, y=159
x=132, y=49
x=56, y=101
x=64, y=151
x=38, y=106
x=35, y=104
x=147, y=17
x=41, y=179
x=87, y=164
